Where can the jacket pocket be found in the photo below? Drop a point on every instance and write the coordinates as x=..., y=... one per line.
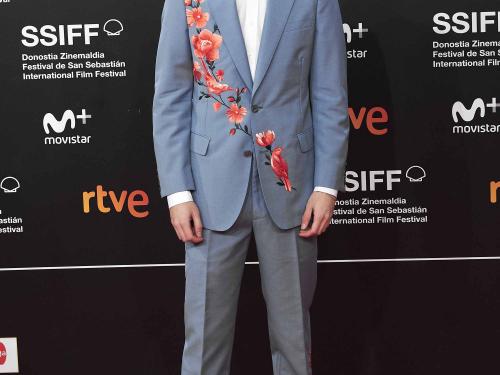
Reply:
x=199, y=143
x=298, y=24
x=306, y=139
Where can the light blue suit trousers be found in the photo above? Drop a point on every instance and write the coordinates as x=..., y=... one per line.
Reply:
x=214, y=269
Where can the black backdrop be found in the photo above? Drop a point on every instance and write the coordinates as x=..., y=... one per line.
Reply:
x=408, y=272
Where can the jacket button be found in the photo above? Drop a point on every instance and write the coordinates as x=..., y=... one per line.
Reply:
x=255, y=108
x=247, y=153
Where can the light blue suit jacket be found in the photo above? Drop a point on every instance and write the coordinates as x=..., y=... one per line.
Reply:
x=210, y=117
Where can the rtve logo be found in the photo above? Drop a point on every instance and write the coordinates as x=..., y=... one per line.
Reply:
x=375, y=119
x=494, y=187
x=463, y=23
x=67, y=35
x=100, y=199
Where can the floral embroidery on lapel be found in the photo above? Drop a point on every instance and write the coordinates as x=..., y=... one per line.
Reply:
x=206, y=46
x=275, y=159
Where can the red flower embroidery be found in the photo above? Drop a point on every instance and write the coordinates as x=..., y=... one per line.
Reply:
x=206, y=46
x=276, y=160
x=216, y=87
x=236, y=114
x=266, y=138
x=196, y=70
x=197, y=16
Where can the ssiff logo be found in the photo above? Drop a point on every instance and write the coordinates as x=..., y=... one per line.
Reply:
x=101, y=198
x=371, y=180
x=9, y=185
x=8, y=355
x=463, y=23
x=51, y=35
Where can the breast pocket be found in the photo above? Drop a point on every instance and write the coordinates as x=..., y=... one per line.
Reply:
x=298, y=24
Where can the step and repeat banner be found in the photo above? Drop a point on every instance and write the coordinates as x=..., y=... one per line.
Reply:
x=91, y=272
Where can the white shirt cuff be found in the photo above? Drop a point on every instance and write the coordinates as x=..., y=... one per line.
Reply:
x=333, y=192
x=185, y=196
x=179, y=197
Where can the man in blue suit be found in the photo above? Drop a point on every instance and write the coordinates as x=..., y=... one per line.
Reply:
x=246, y=143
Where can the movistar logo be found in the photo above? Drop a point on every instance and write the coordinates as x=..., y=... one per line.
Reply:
x=51, y=124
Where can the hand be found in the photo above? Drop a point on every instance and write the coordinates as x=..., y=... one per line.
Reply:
x=320, y=206
x=181, y=216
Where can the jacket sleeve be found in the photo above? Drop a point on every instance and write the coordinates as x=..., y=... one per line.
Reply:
x=172, y=101
x=328, y=92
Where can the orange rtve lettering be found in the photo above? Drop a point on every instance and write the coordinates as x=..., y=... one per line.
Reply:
x=494, y=186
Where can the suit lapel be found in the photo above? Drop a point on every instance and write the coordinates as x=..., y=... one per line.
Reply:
x=225, y=15
x=274, y=22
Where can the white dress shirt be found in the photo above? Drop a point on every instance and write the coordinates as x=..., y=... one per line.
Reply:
x=251, y=14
